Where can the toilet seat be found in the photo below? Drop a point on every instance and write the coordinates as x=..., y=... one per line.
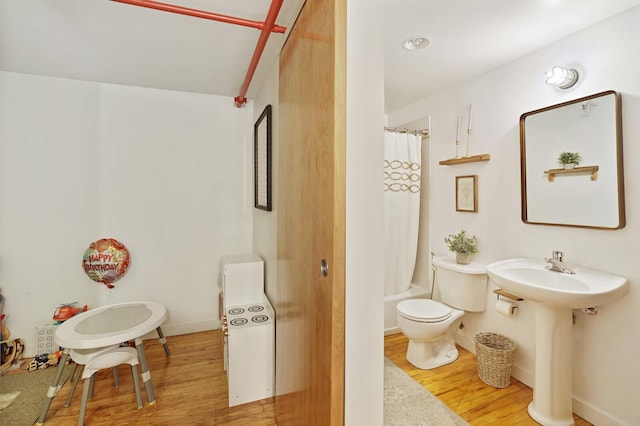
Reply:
x=424, y=310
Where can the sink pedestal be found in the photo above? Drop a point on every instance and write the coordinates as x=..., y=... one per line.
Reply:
x=552, y=390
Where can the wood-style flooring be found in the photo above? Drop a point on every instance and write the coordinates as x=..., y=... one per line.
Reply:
x=190, y=388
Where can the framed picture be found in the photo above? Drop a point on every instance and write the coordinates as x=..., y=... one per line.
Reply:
x=262, y=160
x=467, y=193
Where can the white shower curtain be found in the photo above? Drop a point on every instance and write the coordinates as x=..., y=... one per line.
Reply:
x=402, y=167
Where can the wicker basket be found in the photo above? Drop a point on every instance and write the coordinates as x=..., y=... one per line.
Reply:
x=495, y=358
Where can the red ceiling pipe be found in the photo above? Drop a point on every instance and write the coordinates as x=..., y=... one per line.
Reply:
x=274, y=9
x=204, y=15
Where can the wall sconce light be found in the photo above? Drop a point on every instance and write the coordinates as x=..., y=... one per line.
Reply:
x=561, y=77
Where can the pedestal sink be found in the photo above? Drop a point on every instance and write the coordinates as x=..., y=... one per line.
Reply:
x=555, y=295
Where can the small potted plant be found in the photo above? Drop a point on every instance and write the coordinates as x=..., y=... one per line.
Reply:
x=463, y=246
x=569, y=159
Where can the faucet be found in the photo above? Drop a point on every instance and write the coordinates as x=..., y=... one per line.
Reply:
x=556, y=263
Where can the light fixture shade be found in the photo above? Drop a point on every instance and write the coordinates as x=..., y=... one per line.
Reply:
x=561, y=77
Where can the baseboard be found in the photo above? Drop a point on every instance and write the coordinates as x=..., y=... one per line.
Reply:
x=391, y=330
x=465, y=342
x=167, y=329
x=595, y=415
x=177, y=329
x=523, y=375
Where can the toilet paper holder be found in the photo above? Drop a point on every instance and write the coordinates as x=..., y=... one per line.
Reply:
x=506, y=306
x=500, y=292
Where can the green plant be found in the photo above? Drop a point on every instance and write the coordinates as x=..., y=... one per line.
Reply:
x=569, y=158
x=460, y=243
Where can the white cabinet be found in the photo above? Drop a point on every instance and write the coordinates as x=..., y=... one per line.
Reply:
x=248, y=329
x=250, y=357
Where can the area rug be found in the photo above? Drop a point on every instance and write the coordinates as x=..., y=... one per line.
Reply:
x=407, y=403
x=26, y=392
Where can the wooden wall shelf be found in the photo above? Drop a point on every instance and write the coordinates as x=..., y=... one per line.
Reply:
x=462, y=160
x=501, y=292
x=587, y=169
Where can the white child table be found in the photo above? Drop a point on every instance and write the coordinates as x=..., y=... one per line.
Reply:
x=106, y=326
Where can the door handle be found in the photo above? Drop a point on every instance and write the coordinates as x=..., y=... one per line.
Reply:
x=324, y=267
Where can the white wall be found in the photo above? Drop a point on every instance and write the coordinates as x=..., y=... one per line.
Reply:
x=48, y=197
x=364, y=371
x=606, y=349
x=166, y=173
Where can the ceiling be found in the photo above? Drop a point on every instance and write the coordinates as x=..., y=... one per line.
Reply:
x=101, y=40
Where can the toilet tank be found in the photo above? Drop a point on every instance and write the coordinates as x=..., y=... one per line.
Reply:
x=461, y=286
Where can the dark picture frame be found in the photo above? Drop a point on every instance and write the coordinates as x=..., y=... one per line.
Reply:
x=262, y=160
x=467, y=193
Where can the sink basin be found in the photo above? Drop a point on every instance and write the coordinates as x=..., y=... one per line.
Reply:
x=555, y=295
x=529, y=279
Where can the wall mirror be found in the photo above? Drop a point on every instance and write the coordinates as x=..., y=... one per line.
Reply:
x=589, y=194
x=262, y=160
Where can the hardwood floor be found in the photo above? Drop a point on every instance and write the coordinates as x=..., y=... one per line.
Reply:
x=190, y=388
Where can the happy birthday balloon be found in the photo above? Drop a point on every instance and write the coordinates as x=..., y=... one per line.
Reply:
x=106, y=261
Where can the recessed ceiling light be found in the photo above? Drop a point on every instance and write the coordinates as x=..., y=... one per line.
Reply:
x=415, y=43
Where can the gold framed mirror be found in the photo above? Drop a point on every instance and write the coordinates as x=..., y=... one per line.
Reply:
x=587, y=191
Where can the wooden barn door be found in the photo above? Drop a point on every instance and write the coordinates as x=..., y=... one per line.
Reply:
x=311, y=219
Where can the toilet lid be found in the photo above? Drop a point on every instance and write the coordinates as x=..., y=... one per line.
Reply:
x=423, y=310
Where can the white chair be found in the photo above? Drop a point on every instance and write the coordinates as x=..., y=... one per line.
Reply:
x=100, y=359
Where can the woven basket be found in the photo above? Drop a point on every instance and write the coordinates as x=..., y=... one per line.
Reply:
x=495, y=358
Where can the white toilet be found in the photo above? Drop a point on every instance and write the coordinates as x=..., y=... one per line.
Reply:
x=429, y=325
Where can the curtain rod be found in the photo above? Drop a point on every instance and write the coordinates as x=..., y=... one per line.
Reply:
x=423, y=132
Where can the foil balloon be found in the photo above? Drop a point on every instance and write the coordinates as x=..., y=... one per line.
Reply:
x=106, y=261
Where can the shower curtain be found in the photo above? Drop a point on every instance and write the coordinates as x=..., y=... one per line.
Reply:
x=402, y=159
